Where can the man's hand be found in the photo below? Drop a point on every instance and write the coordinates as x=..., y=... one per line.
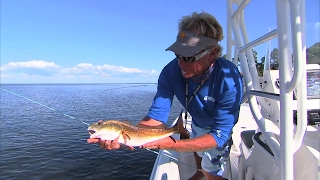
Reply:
x=109, y=145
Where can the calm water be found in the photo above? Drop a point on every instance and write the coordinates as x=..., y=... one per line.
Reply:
x=42, y=143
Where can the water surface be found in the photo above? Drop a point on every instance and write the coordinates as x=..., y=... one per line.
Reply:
x=42, y=143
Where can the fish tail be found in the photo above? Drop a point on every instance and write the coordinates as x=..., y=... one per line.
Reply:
x=176, y=129
x=179, y=129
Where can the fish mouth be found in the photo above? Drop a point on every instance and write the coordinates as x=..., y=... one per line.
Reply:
x=91, y=132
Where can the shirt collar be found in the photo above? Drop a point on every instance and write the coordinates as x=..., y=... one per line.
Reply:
x=203, y=76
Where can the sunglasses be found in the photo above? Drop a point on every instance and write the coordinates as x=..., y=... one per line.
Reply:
x=192, y=58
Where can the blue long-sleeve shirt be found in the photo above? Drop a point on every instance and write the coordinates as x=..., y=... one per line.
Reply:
x=215, y=105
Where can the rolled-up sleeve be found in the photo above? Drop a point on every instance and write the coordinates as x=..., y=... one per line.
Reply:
x=162, y=101
x=226, y=114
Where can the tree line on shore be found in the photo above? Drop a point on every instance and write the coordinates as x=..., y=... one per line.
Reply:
x=313, y=57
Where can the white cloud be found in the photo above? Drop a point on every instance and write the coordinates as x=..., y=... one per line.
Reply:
x=106, y=75
x=27, y=76
x=119, y=69
x=85, y=77
x=2, y=75
x=39, y=71
x=70, y=76
x=73, y=70
x=85, y=65
x=37, y=64
x=103, y=70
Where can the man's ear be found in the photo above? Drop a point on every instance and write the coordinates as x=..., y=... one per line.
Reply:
x=213, y=52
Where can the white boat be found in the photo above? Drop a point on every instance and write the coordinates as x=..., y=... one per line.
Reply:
x=277, y=134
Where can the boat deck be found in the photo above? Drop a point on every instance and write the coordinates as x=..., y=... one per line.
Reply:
x=187, y=164
x=174, y=165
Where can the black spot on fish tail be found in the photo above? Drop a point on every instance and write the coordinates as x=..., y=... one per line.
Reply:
x=185, y=134
x=178, y=129
x=178, y=126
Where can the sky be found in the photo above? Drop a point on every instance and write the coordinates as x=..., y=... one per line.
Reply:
x=112, y=41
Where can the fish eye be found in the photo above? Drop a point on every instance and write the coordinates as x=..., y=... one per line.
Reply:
x=99, y=123
x=91, y=131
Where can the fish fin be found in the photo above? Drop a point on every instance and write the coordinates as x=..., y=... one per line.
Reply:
x=125, y=137
x=127, y=121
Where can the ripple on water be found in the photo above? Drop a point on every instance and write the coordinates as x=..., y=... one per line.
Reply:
x=37, y=143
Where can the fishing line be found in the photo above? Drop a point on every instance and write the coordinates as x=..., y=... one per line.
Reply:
x=5, y=100
x=172, y=158
x=4, y=103
x=41, y=105
x=28, y=99
x=56, y=110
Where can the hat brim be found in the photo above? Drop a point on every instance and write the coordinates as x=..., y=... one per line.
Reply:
x=185, y=50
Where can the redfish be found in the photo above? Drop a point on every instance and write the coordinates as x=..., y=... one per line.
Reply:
x=127, y=134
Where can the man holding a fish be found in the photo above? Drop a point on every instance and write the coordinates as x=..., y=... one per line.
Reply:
x=207, y=85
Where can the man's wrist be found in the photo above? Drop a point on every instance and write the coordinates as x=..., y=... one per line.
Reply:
x=149, y=122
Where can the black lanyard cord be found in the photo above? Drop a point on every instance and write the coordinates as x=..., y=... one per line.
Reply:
x=192, y=96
